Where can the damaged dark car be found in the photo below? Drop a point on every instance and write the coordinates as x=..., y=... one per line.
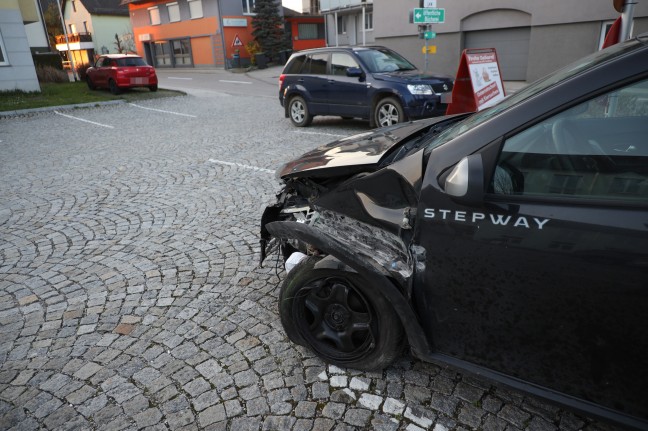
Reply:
x=511, y=243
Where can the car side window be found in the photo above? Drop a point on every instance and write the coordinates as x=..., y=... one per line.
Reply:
x=100, y=62
x=340, y=62
x=318, y=64
x=596, y=150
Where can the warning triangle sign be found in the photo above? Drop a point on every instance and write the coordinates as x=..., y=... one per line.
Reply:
x=237, y=41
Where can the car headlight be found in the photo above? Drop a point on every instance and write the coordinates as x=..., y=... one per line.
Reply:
x=420, y=89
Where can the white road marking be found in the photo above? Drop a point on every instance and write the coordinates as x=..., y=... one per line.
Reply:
x=85, y=121
x=161, y=110
x=240, y=165
x=234, y=82
x=320, y=133
x=182, y=79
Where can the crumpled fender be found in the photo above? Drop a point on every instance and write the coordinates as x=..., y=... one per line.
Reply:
x=372, y=272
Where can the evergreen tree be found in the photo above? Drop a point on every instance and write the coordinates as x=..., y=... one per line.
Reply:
x=268, y=27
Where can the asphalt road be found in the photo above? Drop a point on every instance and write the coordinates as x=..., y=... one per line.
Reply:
x=130, y=292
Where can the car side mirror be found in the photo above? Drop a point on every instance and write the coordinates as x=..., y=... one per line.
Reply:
x=354, y=72
x=465, y=183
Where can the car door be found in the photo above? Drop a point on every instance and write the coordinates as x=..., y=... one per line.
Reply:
x=547, y=280
x=314, y=80
x=104, y=71
x=98, y=73
x=348, y=95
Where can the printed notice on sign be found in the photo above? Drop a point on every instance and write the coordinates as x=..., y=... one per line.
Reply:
x=485, y=77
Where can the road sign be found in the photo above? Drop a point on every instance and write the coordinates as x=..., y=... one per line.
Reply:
x=429, y=16
x=429, y=35
x=428, y=3
x=237, y=41
x=429, y=49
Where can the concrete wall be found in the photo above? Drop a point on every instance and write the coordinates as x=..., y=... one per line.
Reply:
x=20, y=73
x=561, y=31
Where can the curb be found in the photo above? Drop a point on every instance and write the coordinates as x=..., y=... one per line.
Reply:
x=21, y=112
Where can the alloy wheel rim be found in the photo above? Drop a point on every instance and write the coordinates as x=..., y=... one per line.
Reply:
x=387, y=115
x=297, y=112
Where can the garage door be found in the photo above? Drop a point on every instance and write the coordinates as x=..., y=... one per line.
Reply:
x=512, y=47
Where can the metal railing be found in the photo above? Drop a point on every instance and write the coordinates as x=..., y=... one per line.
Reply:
x=327, y=5
x=74, y=37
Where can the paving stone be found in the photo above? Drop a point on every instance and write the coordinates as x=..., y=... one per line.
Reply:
x=334, y=410
x=148, y=417
x=272, y=423
x=131, y=296
x=384, y=423
x=357, y=417
x=205, y=400
x=305, y=409
x=212, y=414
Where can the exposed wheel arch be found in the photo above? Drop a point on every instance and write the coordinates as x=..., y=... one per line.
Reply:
x=372, y=272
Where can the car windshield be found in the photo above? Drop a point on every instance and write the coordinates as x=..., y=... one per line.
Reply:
x=530, y=91
x=131, y=61
x=380, y=60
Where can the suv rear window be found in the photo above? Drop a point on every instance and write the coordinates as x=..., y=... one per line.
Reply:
x=295, y=66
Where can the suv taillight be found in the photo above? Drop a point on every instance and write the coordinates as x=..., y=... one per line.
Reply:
x=281, y=79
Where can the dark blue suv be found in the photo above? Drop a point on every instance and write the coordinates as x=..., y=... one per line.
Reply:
x=373, y=83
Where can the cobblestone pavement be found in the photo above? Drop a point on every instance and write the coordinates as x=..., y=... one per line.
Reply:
x=130, y=296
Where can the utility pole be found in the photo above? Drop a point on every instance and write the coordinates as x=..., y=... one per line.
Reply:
x=626, y=19
x=67, y=41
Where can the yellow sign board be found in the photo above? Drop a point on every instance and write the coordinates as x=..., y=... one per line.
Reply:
x=430, y=49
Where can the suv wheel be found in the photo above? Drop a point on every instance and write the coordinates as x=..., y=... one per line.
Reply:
x=298, y=111
x=388, y=112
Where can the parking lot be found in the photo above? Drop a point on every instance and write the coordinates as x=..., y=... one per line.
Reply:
x=131, y=297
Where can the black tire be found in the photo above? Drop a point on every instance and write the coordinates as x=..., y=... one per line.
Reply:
x=91, y=86
x=153, y=87
x=298, y=112
x=114, y=89
x=387, y=112
x=338, y=316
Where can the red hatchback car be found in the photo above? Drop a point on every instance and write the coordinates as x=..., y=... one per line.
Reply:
x=119, y=71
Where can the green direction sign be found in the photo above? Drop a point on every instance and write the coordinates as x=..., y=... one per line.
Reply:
x=429, y=35
x=429, y=16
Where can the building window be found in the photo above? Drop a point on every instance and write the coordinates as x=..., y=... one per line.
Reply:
x=368, y=21
x=182, y=52
x=310, y=31
x=73, y=6
x=248, y=6
x=85, y=26
x=73, y=28
x=341, y=25
x=195, y=9
x=162, y=53
x=605, y=29
x=174, y=12
x=154, y=14
x=4, y=61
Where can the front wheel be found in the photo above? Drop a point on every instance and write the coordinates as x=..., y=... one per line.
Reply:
x=388, y=112
x=298, y=111
x=91, y=86
x=114, y=89
x=337, y=315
